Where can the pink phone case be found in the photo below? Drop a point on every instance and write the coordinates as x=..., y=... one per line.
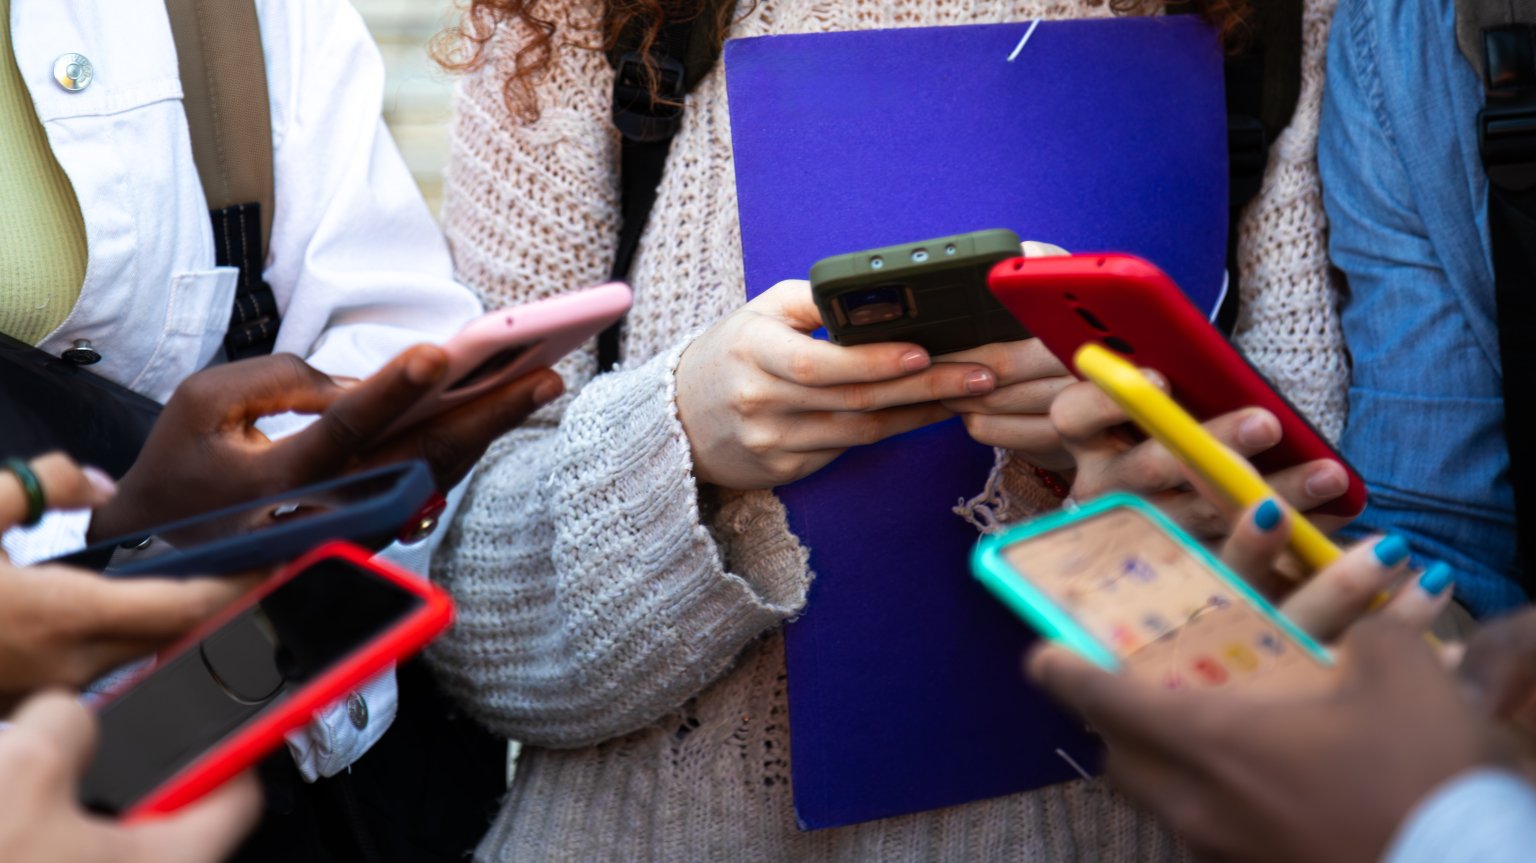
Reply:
x=506, y=344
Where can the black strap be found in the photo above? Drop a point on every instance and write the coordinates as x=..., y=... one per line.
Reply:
x=1507, y=140
x=648, y=118
x=1263, y=82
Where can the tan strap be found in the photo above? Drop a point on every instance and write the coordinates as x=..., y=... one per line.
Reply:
x=224, y=86
x=1475, y=16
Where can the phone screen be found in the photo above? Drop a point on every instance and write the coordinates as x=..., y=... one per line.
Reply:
x=1166, y=613
x=245, y=669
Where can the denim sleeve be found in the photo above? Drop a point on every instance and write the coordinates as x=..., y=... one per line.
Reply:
x=1406, y=203
x=1485, y=816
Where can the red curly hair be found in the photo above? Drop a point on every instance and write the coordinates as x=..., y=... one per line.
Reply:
x=461, y=48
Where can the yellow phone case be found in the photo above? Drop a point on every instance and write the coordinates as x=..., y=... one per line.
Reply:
x=1162, y=418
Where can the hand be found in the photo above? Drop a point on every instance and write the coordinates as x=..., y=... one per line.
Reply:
x=1236, y=770
x=1015, y=416
x=205, y=451
x=42, y=756
x=764, y=404
x=1323, y=775
x=1090, y=425
x=65, y=626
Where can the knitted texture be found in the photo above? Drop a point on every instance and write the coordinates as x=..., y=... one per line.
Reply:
x=620, y=620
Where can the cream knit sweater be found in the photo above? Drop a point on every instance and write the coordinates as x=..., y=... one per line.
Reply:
x=624, y=622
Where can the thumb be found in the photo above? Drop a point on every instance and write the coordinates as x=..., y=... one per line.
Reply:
x=791, y=302
x=203, y=832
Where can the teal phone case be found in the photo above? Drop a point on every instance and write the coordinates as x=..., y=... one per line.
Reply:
x=1055, y=623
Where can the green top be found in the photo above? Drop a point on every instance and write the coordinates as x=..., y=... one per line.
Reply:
x=42, y=235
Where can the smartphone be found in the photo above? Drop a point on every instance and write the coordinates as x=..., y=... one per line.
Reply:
x=225, y=696
x=374, y=508
x=1122, y=585
x=1224, y=470
x=933, y=293
x=505, y=345
x=1131, y=307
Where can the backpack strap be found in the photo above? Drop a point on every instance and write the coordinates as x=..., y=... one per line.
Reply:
x=648, y=118
x=224, y=82
x=1506, y=59
x=1263, y=82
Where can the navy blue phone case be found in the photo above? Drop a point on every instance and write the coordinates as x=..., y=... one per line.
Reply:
x=388, y=496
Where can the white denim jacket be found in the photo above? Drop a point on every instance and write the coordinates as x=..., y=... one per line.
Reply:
x=359, y=268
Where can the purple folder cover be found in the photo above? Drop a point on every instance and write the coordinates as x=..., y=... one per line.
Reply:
x=904, y=685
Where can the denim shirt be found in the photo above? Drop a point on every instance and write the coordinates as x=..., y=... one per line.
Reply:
x=1406, y=198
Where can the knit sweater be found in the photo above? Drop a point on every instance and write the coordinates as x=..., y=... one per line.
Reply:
x=622, y=620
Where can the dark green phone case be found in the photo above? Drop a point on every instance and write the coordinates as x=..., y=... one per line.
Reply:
x=933, y=293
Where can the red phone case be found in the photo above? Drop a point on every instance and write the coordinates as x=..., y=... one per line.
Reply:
x=250, y=743
x=1131, y=307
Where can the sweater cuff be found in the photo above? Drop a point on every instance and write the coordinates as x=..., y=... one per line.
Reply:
x=1483, y=815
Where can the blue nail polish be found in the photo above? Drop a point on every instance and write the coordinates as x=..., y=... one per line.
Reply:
x=1267, y=515
x=1391, y=550
x=1436, y=579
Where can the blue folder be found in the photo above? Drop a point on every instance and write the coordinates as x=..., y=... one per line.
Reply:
x=904, y=685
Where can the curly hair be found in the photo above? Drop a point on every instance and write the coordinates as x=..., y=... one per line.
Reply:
x=462, y=47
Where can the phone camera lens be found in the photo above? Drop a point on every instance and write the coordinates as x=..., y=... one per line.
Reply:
x=950, y=249
x=919, y=256
x=875, y=305
x=876, y=262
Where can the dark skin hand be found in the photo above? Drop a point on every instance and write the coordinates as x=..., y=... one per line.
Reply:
x=65, y=626
x=205, y=451
x=1498, y=668
x=1323, y=775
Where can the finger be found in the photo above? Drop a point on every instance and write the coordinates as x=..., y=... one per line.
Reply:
x=936, y=384
x=1309, y=485
x=1421, y=599
x=1115, y=706
x=1256, y=541
x=1014, y=362
x=64, y=484
x=57, y=720
x=203, y=832
x=452, y=442
x=1027, y=397
x=239, y=393
x=1034, y=436
x=1379, y=647
x=1342, y=592
x=836, y=430
x=138, y=608
x=1499, y=665
x=354, y=419
x=1083, y=414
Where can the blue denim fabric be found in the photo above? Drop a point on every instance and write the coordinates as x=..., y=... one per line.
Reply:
x=1406, y=199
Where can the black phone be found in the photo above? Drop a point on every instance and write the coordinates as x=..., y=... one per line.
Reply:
x=933, y=293
x=371, y=508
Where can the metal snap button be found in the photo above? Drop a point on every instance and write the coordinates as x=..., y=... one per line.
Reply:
x=357, y=711
x=74, y=72
x=82, y=354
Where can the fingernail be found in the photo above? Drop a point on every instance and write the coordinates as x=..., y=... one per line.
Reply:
x=1267, y=515
x=548, y=390
x=1258, y=430
x=1391, y=551
x=979, y=381
x=1156, y=378
x=914, y=361
x=103, y=484
x=1436, y=579
x=1327, y=481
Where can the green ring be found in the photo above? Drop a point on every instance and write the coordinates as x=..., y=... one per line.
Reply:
x=33, y=489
